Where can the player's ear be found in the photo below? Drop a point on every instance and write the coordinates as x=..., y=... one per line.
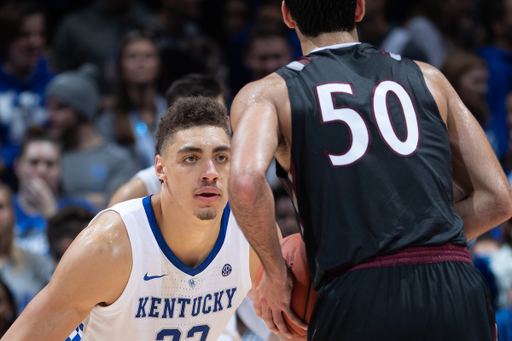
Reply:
x=159, y=168
x=360, y=10
x=287, y=17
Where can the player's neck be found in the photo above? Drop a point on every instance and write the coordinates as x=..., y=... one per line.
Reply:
x=189, y=238
x=309, y=44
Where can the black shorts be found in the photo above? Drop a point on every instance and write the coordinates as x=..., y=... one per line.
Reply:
x=434, y=301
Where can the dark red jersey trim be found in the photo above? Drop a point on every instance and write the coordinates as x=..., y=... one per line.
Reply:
x=410, y=256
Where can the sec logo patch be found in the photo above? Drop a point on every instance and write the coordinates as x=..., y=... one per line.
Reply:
x=226, y=270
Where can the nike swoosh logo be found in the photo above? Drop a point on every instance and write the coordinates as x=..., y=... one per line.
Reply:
x=148, y=278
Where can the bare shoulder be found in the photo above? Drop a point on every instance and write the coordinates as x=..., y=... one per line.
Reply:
x=270, y=90
x=438, y=85
x=102, y=253
x=105, y=232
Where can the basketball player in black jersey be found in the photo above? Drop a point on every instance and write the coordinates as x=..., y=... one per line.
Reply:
x=370, y=144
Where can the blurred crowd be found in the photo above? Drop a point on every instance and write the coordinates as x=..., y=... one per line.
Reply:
x=83, y=84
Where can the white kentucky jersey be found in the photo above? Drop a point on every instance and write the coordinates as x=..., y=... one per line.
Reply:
x=165, y=299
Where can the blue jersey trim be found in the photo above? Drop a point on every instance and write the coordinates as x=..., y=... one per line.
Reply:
x=168, y=252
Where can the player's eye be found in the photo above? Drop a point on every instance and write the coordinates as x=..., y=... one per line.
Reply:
x=222, y=158
x=190, y=158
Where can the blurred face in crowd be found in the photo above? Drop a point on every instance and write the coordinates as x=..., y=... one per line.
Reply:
x=236, y=16
x=185, y=8
x=374, y=7
x=502, y=27
x=6, y=311
x=25, y=51
x=473, y=86
x=459, y=9
x=6, y=214
x=140, y=62
x=118, y=5
x=61, y=118
x=508, y=105
x=41, y=160
x=268, y=54
x=285, y=217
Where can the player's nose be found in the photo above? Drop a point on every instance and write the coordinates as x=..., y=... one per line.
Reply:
x=210, y=171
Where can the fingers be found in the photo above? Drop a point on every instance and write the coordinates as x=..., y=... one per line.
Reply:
x=257, y=305
x=267, y=317
x=281, y=325
x=294, y=318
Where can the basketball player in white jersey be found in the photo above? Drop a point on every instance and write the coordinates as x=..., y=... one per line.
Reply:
x=173, y=266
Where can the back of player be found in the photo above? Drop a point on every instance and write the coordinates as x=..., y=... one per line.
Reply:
x=371, y=176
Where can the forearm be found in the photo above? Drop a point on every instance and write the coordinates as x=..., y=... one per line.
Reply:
x=42, y=322
x=253, y=206
x=482, y=211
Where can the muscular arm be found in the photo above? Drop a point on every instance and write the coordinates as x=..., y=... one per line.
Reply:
x=256, y=138
x=476, y=170
x=94, y=270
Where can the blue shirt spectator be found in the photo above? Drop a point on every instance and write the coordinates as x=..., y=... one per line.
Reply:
x=24, y=74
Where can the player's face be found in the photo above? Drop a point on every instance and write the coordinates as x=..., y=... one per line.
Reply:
x=196, y=166
x=40, y=160
x=26, y=50
x=140, y=62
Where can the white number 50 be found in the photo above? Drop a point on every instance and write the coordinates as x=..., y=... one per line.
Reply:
x=358, y=129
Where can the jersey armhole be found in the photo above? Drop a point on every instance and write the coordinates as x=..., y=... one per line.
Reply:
x=428, y=93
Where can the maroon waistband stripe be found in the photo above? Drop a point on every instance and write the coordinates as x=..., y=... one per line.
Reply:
x=410, y=256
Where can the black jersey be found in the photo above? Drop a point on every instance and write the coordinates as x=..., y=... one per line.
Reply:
x=371, y=163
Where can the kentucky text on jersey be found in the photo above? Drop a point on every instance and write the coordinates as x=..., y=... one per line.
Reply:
x=158, y=307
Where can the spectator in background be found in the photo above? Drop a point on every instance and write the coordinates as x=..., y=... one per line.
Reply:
x=504, y=318
x=440, y=26
x=268, y=49
x=24, y=74
x=179, y=38
x=376, y=30
x=286, y=218
x=92, y=34
x=501, y=265
x=468, y=74
x=236, y=15
x=64, y=227
x=92, y=168
x=7, y=308
x=24, y=273
x=257, y=49
x=138, y=105
x=196, y=85
x=497, y=21
x=38, y=169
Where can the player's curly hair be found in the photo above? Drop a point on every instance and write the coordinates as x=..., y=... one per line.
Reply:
x=187, y=113
x=323, y=16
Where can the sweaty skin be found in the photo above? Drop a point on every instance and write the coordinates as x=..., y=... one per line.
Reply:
x=96, y=267
x=261, y=121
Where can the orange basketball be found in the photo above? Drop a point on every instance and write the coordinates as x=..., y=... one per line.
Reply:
x=303, y=294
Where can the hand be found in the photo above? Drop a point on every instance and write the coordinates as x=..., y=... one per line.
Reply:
x=41, y=196
x=272, y=300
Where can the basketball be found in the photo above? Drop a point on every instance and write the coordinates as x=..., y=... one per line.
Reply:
x=303, y=294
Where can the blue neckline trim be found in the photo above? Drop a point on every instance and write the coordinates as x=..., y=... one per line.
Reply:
x=168, y=252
